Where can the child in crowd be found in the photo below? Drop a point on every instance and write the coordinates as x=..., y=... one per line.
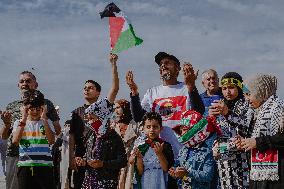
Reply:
x=34, y=136
x=153, y=157
x=195, y=165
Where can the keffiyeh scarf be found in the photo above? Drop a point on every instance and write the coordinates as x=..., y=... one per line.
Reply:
x=264, y=165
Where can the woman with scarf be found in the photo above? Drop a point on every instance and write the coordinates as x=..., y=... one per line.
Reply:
x=195, y=165
x=105, y=153
x=267, y=141
x=128, y=130
x=232, y=162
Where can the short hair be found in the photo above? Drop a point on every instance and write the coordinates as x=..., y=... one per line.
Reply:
x=98, y=87
x=152, y=116
x=125, y=106
x=208, y=71
x=34, y=98
x=29, y=73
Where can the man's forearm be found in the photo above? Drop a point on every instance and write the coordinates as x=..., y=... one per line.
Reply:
x=136, y=108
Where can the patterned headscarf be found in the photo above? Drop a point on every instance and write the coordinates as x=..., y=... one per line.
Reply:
x=198, y=128
x=103, y=109
x=262, y=86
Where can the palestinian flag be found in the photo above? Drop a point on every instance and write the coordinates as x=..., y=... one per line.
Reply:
x=122, y=36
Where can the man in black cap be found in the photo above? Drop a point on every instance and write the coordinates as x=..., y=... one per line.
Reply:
x=169, y=99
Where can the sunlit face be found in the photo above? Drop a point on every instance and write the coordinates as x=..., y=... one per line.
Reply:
x=168, y=69
x=90, y=92
x=253, y=101
x=152, y=129
x=26, y=82
x=35, y=112
x=210, y=82
x=230, y=92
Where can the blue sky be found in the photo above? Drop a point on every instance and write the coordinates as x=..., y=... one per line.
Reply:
x=66, y=42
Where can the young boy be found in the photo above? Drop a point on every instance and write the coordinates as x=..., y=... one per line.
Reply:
x=153, y=157
x=195, y=165
x=34, y=136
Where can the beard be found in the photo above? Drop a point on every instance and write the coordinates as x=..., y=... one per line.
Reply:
x=166, y=76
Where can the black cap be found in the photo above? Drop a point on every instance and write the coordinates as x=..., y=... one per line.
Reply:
x=161, y=55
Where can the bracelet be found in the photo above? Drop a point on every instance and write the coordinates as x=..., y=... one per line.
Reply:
x=22, y=124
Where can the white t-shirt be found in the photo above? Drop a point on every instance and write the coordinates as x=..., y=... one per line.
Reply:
x=169, y=101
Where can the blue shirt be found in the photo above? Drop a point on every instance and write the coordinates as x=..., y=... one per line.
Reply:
x=207, y=100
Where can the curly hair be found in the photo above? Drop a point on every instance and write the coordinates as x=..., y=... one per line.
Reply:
x=127, y=116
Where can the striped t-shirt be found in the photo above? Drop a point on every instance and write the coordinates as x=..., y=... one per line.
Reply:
x=33, y=147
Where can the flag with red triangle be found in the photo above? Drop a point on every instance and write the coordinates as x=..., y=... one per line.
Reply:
x=122, y=36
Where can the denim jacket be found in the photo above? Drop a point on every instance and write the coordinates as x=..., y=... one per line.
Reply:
x=199, y=164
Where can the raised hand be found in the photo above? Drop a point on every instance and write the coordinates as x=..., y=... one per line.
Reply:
x=134, y=154
x=158, y=148
x=218, y=108
x=44, y=111
x=6, y=117
x=189, y=75
x=131, y=83
x=113, y=58
x=24, y=112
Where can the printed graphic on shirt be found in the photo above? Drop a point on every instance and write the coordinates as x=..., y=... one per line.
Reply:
x=170, y=108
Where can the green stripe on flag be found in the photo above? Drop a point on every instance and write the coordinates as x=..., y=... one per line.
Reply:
x=126, y=40
x=196, y=128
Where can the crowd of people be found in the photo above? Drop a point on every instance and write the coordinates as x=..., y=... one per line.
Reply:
x=230, y=136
